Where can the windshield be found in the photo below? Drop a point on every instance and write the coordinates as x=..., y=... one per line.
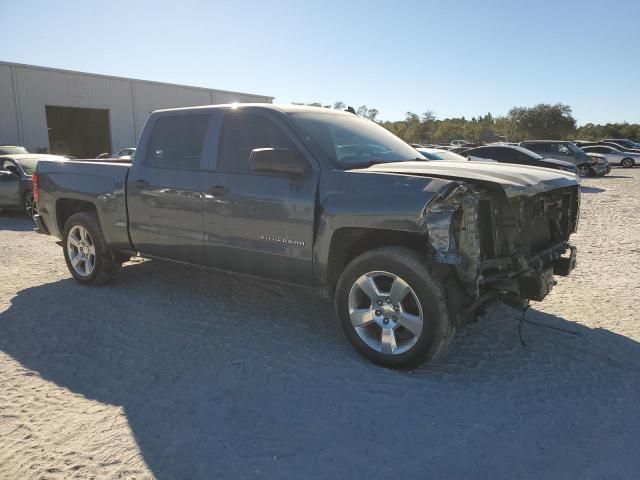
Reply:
x=28, y=165
x=573, y=148
x=351, y=141
x=12, y=150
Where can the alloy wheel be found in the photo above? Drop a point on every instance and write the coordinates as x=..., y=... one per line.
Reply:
x=30, y=205
x=385, y=312
x=81, y=250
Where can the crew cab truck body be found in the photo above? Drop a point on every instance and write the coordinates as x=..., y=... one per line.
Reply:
x=407, y=248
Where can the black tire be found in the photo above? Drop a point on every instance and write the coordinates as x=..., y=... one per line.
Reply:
x=28, y=204
x=627, y=162
x=105, y=268
x=438, y=328
x=585, y=171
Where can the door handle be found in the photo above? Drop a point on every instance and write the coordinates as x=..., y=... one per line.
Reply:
x=218, y=191
x=142, y=184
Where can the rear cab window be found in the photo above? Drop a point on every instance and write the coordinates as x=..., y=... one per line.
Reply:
x=177, y=142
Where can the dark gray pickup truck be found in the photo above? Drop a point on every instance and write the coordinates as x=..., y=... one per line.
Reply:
x=408, y=249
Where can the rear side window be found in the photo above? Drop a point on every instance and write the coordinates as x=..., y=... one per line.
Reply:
x=176, y=142
x=243, y=132
x=537, y=147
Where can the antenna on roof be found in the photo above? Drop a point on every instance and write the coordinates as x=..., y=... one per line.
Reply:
x=351, y=110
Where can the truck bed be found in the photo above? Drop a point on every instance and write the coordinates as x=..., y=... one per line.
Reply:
x=63, y=185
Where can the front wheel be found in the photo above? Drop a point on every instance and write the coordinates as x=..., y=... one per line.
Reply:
x=627, y=162
x=85, y=250
x=584, y=171
x=392, y=309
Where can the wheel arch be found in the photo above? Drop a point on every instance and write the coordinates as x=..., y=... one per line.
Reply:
x=65, y=207
x=349, y=242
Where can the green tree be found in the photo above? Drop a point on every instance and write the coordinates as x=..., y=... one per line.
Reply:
x=544, y=121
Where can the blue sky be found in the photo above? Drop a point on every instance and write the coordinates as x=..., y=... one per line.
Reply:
x=453, y=57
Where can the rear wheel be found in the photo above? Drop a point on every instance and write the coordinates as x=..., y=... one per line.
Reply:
x=392, y=309
x=85, y=250
x=29, y=204
x=627, y=162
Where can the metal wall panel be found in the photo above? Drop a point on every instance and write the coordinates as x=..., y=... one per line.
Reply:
x=9, y=129
x=129, y=101
x=38, y=88
x=151, y=96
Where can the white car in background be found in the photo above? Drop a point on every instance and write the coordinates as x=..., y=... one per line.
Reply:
x=614, y=156
x=460, y=143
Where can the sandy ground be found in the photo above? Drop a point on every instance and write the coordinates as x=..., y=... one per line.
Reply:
x=173, y=372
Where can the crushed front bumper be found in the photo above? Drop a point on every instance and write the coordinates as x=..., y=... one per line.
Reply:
x=600, y=169
x=532, y=278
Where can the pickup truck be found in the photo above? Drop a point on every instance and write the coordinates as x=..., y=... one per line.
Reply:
x=408, y=249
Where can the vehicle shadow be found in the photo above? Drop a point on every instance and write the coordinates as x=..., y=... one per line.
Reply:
x=16, y=221
x=585, y=189
x=221, y=377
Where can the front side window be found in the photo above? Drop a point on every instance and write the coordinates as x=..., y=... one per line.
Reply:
x=560, y=148
x=241, y=133
x=177, y=141
x=351, y=141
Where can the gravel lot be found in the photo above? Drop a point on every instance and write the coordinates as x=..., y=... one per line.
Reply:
x=172, y=372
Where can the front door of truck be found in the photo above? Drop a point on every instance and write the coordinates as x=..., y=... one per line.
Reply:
x=260, y=223
x=164, y=189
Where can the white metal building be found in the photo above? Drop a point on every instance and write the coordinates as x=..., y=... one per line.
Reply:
x=84, y=114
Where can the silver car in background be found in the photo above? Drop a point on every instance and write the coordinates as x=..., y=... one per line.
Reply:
x=615, y=156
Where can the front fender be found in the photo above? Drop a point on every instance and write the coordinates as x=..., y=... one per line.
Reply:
x=389, y=202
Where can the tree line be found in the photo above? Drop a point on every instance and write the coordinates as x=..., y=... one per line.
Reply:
x=543, y=121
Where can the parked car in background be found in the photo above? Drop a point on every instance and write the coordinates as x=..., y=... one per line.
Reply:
x=518, y=156
x=460, y=143
x=407, y=248
x=126, y=152
x=459, y=150
x=16, y=185
x=441, y=154
x=584, y=143
x=602, y=166
x=623, y=142
x=614, y=156
x=567, y=152
x=620, y=147
x=12, y=150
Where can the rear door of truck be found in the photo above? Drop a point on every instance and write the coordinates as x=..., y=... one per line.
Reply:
x=164, y=188
x=258, y=223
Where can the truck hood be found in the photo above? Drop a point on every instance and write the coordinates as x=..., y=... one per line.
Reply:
x=514, y=180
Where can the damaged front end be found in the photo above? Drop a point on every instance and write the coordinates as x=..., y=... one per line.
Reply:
x=500, y=241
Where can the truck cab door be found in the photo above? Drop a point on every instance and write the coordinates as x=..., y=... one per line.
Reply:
x=164, y=188
x=257, y=222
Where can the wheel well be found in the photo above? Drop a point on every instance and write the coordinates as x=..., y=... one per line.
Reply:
x=633, y=162
x=66, y=207
x=348, y=243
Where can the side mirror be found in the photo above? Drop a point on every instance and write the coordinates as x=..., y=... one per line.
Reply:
x=279, y=160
